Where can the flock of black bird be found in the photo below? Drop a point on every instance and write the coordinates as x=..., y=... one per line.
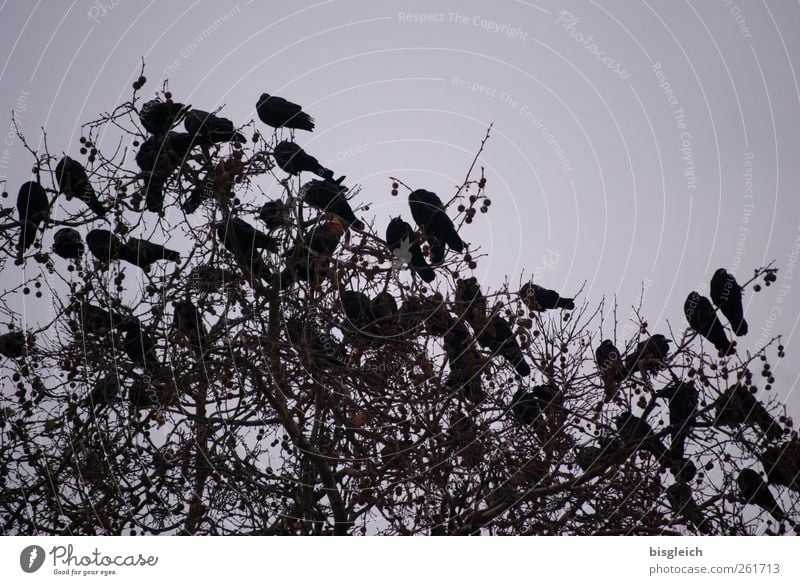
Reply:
x=165, y=150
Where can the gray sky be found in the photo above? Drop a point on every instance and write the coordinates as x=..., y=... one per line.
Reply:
x=634, y=141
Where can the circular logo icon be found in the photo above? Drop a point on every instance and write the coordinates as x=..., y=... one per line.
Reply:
x=31, y=558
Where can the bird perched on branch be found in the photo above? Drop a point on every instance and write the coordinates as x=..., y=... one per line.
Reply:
x=650, y=354
x=403, y=241
x=609, y=365
x=280, y=113
x=702, y=319
x=538, y=298
x=638, y=432
x=498, y=337
x=207, y=128
x=158, y=157
x=32, y=205
x=754, y=490
x=528, y=405
x=188, y=321
x=73, y=181
x=244, y=242
x=143, y=253
x=304, y=260
x=159, y=117
x=97, y=320
x=104, y=245
x=429, y=213
x=12, y=344
x=273, y=214
x=471, y=303
x=682, y=502
x=68, y=244
x=683, y=400
x=139, y=346
x=294, y=160
x=736, y=406
x=782, y=464
x=727, y=295
x=330, y=196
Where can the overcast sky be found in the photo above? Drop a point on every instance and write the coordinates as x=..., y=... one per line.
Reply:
x=633, y=142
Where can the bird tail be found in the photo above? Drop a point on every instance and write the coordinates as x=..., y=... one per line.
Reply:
x=325, y=173
x=425, y=272
x=452, y=238
x=742, y=328
x=172, y=255
x=568, y=304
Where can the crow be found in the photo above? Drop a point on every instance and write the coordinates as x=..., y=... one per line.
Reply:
x=527, y=406
x=32, y=204
x=68, y=244
x=243, y=241
x=202, y=192
x=143, y=253
x=651, y=354
x=104, y=245
x=703, y=319
x=294, y=160
x=208, y=128
x=683, y=400
x=95, y=320
x=12, y=344
x=537, y=298
x=403, y=242
x=318, y=245
x=471, y=303
x=273, y=214
x=158, y=157
x=498, y=337
x=357, y=308
x=466, y=364
x=682, y=502
x=727, y=295
x=736, y=406
x=384, y=313
x=106, y=390
x=139, y=346
x=754, y=490
x=279, y=113
x=159, y=117
x=73, y=182
x=188, y=320
x=330, y=196
x=637, y=432
x=428, y=211
x=609, y=365
x=782, y=464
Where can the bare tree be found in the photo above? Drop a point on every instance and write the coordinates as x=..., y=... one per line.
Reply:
x=244, y=386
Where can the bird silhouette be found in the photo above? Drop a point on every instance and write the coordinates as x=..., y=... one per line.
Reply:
x=68, y=244
x=736, y=406
x=32, y=205
x=188, y=321
x=702, y=319
x=305, y=260
x=538, y=298
x=292, y=159
x=782, y=464
x=429, y=214
x=609, y=365
x=403, y=241
x=637, y=432
x=12, y=344
x=158, y=117
x=727, y=295
x=330, y=196
x=209, y=128
x=683, y=400
x=273, y=214
x=528, y=405
x=754, y=490
x=357, y=308
x=144, y=253
x=279, y=113
x=104, y=245
x=139, y=345
x=73, y=181
x=682, y=502
x=498, y=337
x=650, y=354
x=158, y=157
x=96, y=320
x=466, y=364
x=471, y=303
x=244, y=241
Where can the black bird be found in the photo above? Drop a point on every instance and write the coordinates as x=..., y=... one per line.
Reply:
x=683, y=400
x=357, y=307
x=538, y=298
x=98, y=321
x=73, y=182
x=498, y=337
x=294, y=160
x=209, y=128
x=384, y=312
x=429, y=213
x=188, y=321
x=754, y=490
x=471, y=303
x=609, y=365
x=139, y=346
x=330, y=196
x=273, y=214
x=319, y=244
x=702, y=319
x=403, y=241
x=106, y=390
x=68, y=244
x=651, y=354
x=682, y=502
x=158, y=117
x=104, y=245
x=727, y=295
x=637, y=432
x=158, y=157
x=32, y=204
x=202, y=192
x=279, y=113
x=143, y=253
x=244, y=242
x=782, y=464
x=466, y=363
x=527, y=406
x=12, y=344
x=737, y=406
